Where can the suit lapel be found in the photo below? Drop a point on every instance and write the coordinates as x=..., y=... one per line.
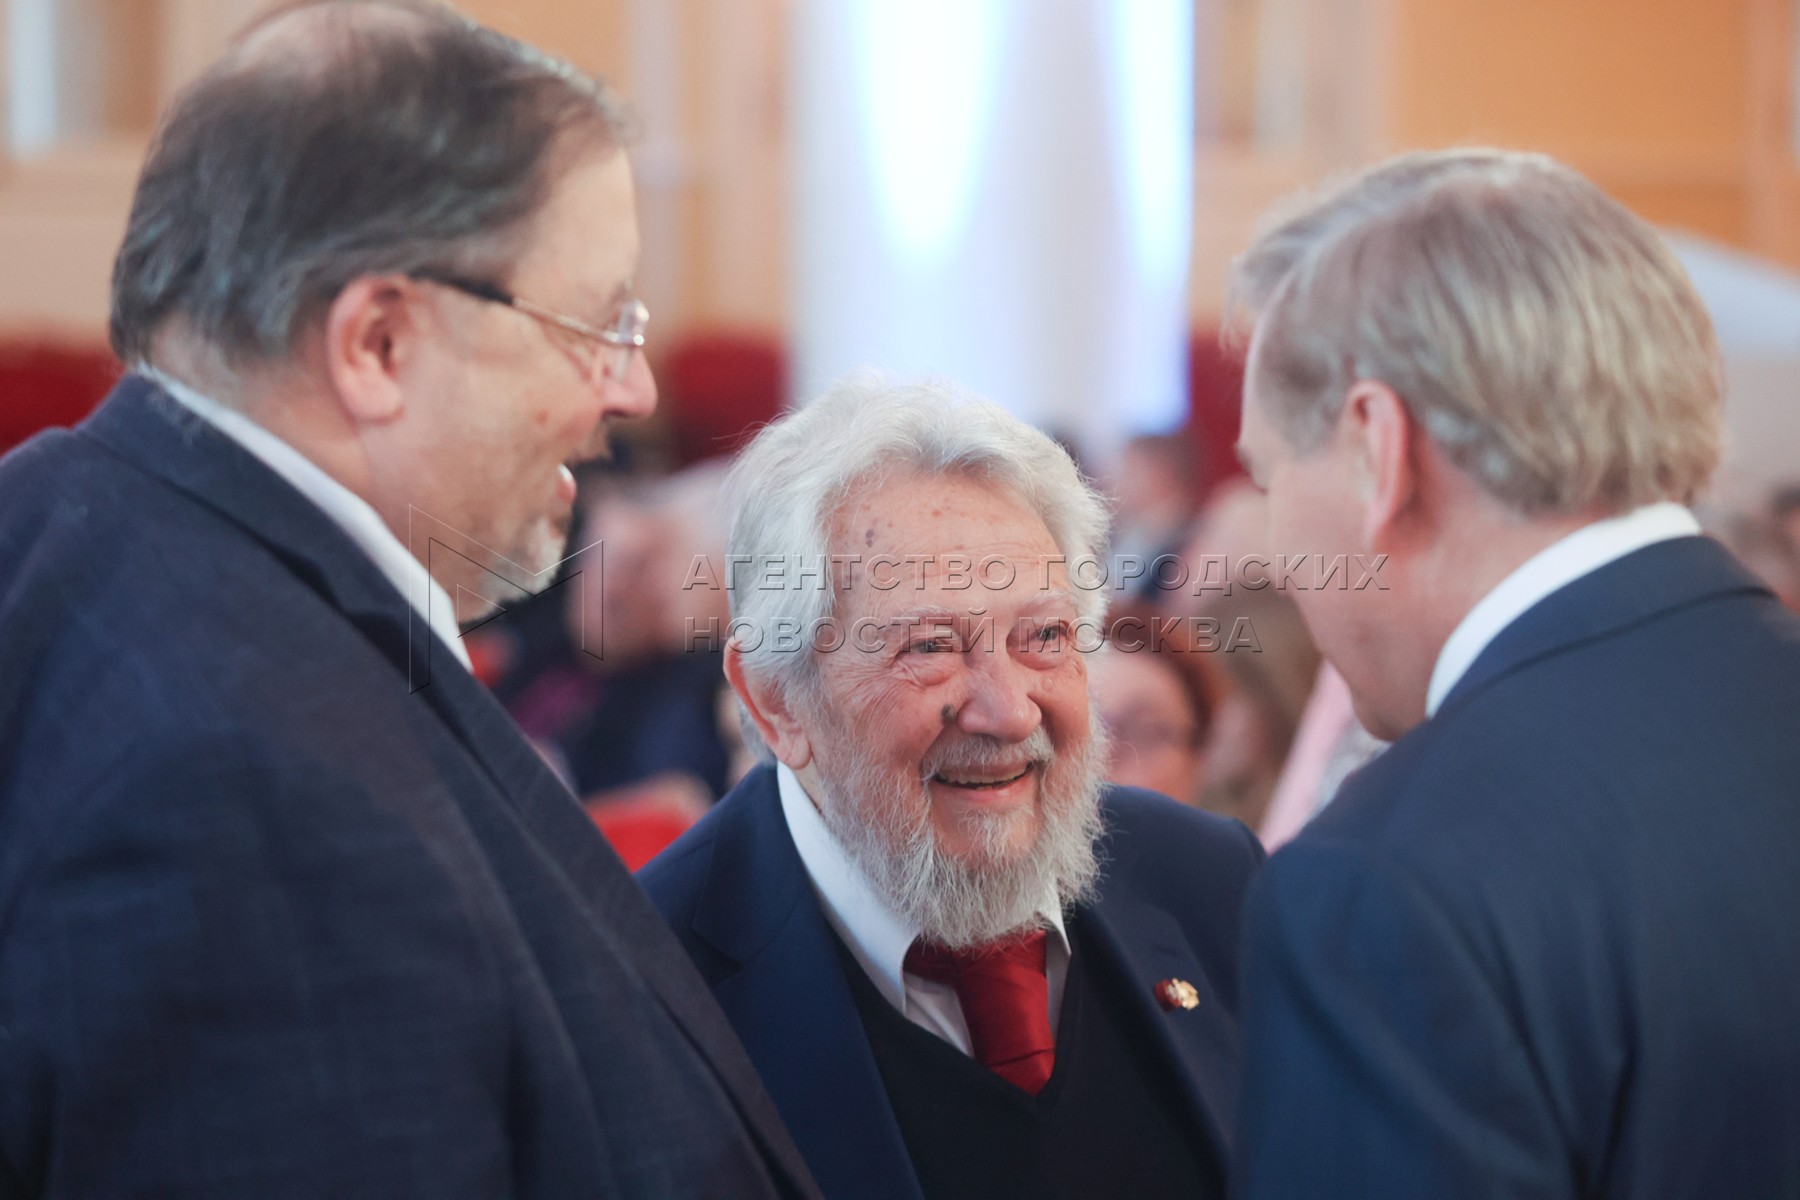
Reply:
x=142, y=424
x=1145, y=945
x=615, y=907
x=791, y=1004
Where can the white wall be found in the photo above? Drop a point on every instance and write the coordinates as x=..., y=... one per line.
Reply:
x=999, y=191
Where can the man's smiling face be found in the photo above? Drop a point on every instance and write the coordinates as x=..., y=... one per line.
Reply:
x=509, y=402
x=962, y=690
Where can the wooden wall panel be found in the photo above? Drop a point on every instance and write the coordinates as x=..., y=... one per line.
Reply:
x=589, y=33
x=1622, y=77
x=1653, y=99
x=1682, y=108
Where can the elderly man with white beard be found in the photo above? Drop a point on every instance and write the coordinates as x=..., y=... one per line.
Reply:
x=964, y=965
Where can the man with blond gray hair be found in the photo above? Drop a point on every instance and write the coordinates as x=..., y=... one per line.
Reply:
x=1545, y=945
x=964, y=966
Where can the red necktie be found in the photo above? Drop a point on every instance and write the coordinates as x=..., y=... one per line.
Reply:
x=1005, y=1001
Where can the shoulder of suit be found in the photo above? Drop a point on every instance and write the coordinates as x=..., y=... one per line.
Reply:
x=1498, y=790
x=1512, y=752
x=675, y=877
x=1140, y=809
x=676, y=874
x=1148, y=825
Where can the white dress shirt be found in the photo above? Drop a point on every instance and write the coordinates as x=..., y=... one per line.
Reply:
x=1550, y=569
x=878, y=938
x=351, y=512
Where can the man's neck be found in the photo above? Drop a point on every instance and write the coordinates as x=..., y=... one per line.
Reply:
x=1584, y=547
x=1483, y=553
x=1468, y=559
x=349, y=511
x=286, y=400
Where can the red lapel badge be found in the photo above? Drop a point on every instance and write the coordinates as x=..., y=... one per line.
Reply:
x=1177, y=993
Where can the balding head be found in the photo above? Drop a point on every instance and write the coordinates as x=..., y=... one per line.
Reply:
x=307, y=36
x=338, y=139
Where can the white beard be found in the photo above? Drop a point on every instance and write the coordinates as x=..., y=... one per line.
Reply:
x=886, y=829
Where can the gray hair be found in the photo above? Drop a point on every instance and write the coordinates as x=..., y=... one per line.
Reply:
x=1546, y=339
x=339, y=139
x=804, y=468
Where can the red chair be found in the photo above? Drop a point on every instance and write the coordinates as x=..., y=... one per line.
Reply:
x=719, y=388
x=45, y=383
x=640, y=829
x=1215, y=391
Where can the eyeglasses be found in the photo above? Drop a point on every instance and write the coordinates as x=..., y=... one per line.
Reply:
x=1154, y=735
x=613, y=345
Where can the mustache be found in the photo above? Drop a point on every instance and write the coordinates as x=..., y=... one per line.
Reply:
x=983, y=752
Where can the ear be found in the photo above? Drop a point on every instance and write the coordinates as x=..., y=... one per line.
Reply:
x=371, y=334
x=770, y=710
x=1384, y=441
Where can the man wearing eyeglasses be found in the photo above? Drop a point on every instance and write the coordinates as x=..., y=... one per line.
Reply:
x=288, y=907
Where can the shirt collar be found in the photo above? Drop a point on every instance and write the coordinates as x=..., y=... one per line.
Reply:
x=876, y=935
x=351, y=512
x=1557, y=565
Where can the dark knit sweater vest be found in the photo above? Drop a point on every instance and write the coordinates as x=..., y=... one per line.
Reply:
x=1111, y=1123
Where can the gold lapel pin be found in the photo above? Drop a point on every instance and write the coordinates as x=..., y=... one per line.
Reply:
x=1177, y=993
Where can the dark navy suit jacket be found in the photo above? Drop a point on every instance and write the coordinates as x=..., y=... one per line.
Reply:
x=738, y=896
x=1548, y=945
x=275, y=922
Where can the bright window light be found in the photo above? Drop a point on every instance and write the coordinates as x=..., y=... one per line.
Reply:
x=1154, y=73
x=927, y=70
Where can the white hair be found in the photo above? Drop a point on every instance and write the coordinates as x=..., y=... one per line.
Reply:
x=801, y=470
x=1546, y=339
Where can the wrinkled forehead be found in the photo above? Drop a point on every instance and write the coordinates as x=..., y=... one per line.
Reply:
x=582, y=243
x=946, y=541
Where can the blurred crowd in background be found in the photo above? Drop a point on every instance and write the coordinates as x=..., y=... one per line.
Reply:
x=603, y=670
x=613, y=675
